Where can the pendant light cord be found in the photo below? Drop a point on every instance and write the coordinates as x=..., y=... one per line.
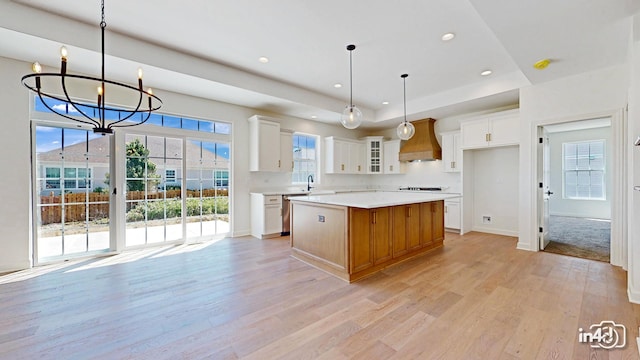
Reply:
x=404, y=78
x=351, y=78
x=405, y=99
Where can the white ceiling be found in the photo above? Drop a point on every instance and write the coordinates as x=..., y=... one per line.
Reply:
x=210, y=49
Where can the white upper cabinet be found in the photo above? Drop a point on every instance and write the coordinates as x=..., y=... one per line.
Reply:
x=357, y=158
x=264, y=137
x=451, y=151
x=499, y=129
x=286, y=151
x=374, y=154
x=391, y=157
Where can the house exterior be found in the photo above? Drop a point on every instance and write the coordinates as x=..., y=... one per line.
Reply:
x=75, y=170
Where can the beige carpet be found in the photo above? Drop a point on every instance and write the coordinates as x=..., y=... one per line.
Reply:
x=580, y=237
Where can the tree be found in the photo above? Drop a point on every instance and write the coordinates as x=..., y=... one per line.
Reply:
x=137, y=161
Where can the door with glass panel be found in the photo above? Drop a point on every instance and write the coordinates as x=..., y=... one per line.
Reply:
x=207, y=184
x=71, y=193
x=153, y=180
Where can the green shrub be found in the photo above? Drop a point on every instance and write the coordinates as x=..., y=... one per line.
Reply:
x=156, y=209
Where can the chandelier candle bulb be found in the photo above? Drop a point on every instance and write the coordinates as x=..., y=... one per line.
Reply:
x=63, y=53
x=140, y=78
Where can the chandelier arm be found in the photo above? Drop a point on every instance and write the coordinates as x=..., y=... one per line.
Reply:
x=131, y=112
x=136, y=124
x=92, y=122
x=64, y=89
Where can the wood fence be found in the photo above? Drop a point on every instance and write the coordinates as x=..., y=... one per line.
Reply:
x=75, y=204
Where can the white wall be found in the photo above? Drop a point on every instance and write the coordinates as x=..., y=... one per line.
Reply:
x=585, y=96
x=15, y=146
x=495, y=190
x=558, y=205
x=634, y=162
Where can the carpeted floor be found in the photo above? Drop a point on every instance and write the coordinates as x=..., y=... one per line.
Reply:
x=580, y=237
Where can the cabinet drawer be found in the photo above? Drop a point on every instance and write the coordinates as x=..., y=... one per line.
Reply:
x=272, y=199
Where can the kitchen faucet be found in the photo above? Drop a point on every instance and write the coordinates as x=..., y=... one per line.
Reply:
x=309, y=182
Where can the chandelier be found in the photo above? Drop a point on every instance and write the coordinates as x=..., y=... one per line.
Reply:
x=95, y=114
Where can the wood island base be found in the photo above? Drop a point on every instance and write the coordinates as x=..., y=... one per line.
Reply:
x=352, y=243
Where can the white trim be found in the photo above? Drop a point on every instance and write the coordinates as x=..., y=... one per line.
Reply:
x=620, y=191
x=633, y=294
x=489, y=230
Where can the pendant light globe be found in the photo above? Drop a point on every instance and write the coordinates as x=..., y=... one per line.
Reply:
x=405, y=130
x=351, y=117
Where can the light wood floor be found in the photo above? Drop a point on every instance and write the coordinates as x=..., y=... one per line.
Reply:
x=478, y=298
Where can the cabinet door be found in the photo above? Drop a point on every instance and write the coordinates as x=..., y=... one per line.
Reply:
x=474, y=134
x=360, y=247
x=390, y=156
x=452, y=214
x=374, y=155
x=413, y=226
x=504, y=130
x=451, y=152
x=272, y=219
x=286, y=152
x=400, y=239
x=264, y=137
x=381, y=235
x=356, y=154
x=426, y=224
x=337, y=156
x=437, y=220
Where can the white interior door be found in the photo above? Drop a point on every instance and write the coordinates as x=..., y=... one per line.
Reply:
x=544, y=193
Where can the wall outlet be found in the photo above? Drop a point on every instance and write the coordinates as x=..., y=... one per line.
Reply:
x=486, y=219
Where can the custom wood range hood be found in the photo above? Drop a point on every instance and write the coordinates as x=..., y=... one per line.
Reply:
x=423, y=145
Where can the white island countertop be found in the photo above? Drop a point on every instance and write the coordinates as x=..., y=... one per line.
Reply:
x=374, y=199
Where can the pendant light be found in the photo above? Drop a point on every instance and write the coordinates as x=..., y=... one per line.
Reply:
x=351, y=116
x=406, y=129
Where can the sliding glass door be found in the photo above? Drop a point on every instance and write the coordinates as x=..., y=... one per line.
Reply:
x=207, y=189
x=71, y=193
x=153, y=189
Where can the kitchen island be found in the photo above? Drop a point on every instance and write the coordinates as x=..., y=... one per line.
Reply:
x=354, y=235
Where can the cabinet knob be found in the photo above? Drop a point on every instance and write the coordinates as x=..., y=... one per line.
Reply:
x=342, y=167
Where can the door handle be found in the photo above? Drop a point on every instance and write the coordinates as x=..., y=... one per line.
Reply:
x=548, y=192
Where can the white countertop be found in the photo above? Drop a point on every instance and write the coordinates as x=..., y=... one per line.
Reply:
x=374, y=199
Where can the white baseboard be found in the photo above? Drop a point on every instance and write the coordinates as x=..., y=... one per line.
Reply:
x=489, y=230
x=633, y=294
x=7, y=268
x=525, y=246
x=241, y=233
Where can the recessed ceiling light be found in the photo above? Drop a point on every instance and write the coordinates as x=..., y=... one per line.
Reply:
x=448, y=36
x=263, y=59
x=314, y=117
x=337, y=85
x=486, y=73
x=385, y=103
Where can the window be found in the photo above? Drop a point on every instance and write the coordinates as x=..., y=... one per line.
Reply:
x=170, y=175
x=221, y=178
x=583, y=170
x=74, y=178
x=154, y=119
x=305, y=159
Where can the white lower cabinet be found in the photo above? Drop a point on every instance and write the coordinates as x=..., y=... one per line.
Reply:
x=452, y=214
x=266, y=215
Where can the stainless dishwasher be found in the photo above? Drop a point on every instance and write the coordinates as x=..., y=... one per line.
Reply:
x=286, y=213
